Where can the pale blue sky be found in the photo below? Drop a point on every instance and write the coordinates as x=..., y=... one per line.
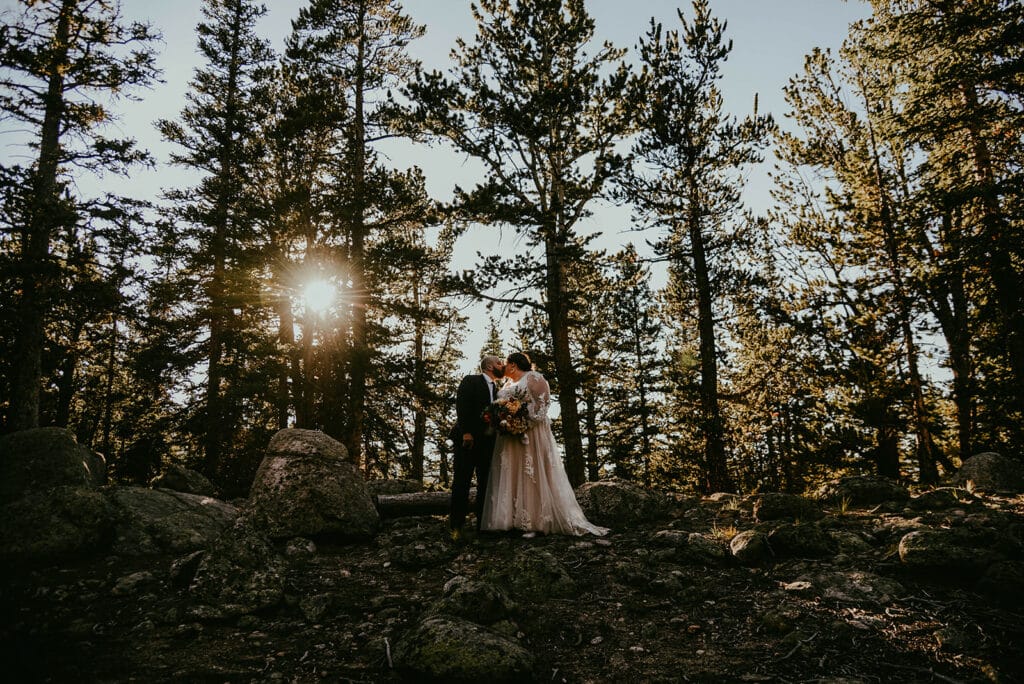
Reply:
x=770, y=39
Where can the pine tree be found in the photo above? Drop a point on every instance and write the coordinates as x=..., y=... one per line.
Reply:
x=218, y=137
x=359, y=47
x=695, y=151
x=544, y=118
x=633, y=366
x=59, y=63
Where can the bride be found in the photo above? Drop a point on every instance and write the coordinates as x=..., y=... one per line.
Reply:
x=528, y=487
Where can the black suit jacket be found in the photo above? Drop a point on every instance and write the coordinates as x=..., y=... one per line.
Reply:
x=470, y=401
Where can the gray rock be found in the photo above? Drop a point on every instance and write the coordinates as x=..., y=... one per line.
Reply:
x=300, y=548
x=43, y=458
x=130, y=584
x=315, y=607
x=482, y=602
x=183, y=569
x=442, y=649
x=751, y=548
x=422, y=555
x=779, y=506
x=306, y=487
x=863, y=490
x=801, y=541
x=239, y=575
x=991, y=472
x=181, y=479
x=161, y=520
x=854, y=587
x=618, y=503
x=949, y=554
x=55, y=523
x=532, y=576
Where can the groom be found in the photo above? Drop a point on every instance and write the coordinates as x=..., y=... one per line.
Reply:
x=473, y=440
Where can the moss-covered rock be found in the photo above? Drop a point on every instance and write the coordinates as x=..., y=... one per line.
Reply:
x=617, y=503
x=532, y=576
x=451, y=650
x=36, y=460
x=475, y=600
x=56, y=523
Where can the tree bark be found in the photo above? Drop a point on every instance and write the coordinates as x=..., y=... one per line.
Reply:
x=417, y=503
x=716, y=471
x=43, y=220
x=568, y=384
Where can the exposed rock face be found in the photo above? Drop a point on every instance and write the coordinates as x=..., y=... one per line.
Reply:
x=443, y=649
x=55, y=523
x=991, y=472
x=36, y=460
x=863, y=490
x=161, y=520
x=779, y=506
x=306, y=487
x=616, y=503
x=181, y=479
x=240, y=574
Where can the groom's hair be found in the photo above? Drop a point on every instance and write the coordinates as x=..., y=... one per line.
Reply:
x=489, y=363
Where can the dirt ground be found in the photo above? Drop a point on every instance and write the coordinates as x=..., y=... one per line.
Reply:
x=640, y=614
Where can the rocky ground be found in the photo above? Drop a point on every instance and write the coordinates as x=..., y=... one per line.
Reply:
x=650, y=602
x=303, y=581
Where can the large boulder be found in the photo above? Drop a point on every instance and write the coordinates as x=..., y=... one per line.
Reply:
x=991, y=472
x=39, y=459
x=617, y=503
x=240, y=574
x=161, y=520
x=779, y=506
x=863, y=490
x=951, y=553
x=181, y=479
x=443, y=649
x=306, y=487
x=56, y=523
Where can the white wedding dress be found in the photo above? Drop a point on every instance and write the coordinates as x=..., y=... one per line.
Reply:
x=527, y=488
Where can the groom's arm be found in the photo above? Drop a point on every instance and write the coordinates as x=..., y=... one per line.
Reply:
x=464, y=408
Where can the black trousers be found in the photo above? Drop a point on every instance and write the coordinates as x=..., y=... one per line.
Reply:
x=467, y=461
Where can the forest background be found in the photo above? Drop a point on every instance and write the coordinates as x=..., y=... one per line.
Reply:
x=722, y=299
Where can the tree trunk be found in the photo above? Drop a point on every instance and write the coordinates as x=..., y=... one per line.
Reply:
x=887, y=452
x=44, y=218
x=590, y=418
x=568, y=385
x=716, y=471
x=286, y=338
x=360, y=352
x=419, y=431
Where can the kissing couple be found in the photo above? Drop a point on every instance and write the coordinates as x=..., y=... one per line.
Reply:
x=521, y=481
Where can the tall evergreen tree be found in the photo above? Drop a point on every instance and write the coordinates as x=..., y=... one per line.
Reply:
x=544, y=119
x=60, y=63
x=695, y=152
x=219, y=137
x=359, y=46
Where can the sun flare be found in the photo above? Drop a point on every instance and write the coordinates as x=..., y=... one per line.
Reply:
x=318, y=295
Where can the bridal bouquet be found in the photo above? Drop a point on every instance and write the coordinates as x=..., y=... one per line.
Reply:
x=510, y=415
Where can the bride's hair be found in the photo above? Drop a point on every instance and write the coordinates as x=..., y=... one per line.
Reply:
x=520, y=361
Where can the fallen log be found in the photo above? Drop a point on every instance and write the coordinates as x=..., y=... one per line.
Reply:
x=417, y=503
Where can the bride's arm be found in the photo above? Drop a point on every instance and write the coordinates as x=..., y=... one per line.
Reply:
x=540, y=397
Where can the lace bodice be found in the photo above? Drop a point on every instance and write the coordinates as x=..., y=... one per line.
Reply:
x=536, y=387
